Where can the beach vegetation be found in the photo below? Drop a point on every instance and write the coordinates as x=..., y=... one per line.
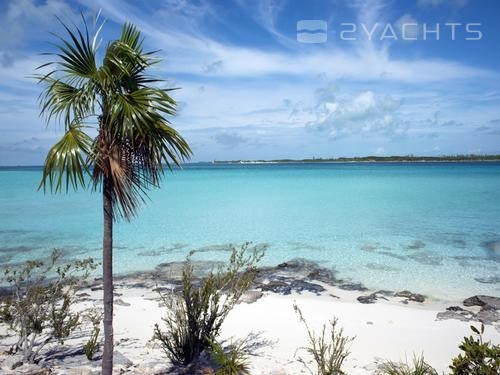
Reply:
x=91, y=347
x=478, y=357
x=418, y=366
x=329, y=349
x=194, y=318
x=117, y=138
x=38, y=309
x=232, y=360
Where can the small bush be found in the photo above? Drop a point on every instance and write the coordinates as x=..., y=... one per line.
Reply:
x=195, y=317
x=38, y=309
x=93, y=344
x=329, y=350
x=233, y=361
x=478, y=358
x=417, y=367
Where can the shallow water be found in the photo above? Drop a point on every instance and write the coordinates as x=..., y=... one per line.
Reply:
x=433, y=228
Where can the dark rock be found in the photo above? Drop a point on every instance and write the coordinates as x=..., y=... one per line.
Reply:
x=95, y=288
x=480, y=300
x=455, y=308
x=372, y=298
x=277, y=286
x=285, y=286
x=322, y=274
x=298, y=269
x=301, y=285
x=488, y=316
x=462, y=315
x=297, y=264
x=404, y=294
x=353, y=286
x=415, y=297
x=16, y=365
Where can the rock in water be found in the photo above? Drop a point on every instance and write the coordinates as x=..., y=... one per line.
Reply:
x=483, y=301
x=372, y=298
x=415, y=297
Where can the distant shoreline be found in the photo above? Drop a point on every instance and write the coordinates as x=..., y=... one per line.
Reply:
x=372, y=159
x=339, y=160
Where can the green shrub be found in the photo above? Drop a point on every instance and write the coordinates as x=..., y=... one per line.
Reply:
x=329, y=350
x=195, y=317
x=38, y=309
x=478, y=358
x=93, y=344
x=233, y=361
x=418, y=367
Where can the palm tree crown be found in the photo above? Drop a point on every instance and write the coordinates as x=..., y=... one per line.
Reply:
x=127, y=108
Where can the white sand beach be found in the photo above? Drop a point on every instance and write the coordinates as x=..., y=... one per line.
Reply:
x=388, y=329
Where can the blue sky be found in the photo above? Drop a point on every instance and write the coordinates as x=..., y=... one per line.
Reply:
x=249, y=90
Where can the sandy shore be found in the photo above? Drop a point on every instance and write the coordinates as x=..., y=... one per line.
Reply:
x=385, y=330
x=392, y=328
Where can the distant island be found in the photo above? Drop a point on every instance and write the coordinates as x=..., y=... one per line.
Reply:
x=372, y=159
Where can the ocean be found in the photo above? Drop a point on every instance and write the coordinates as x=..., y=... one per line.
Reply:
x=432, y=228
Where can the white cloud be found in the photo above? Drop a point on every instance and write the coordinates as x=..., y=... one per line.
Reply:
x=189, y=52
x=362, y=113
x=24, y=15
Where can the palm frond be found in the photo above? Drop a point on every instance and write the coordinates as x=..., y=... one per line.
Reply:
x=78, y=55
x=64, y=101
x=65, y=164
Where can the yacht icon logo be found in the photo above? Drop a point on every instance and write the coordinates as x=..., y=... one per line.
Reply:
x=311, y=31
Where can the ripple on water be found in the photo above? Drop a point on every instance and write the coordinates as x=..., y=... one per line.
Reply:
x=382, y=267
x=163, y=250
x=296, y=246
x=488, y=279
x=415, y=245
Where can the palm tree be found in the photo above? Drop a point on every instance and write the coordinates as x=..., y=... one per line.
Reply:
x=116, y=132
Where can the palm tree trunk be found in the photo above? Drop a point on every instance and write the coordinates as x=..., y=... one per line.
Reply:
x=107, y=276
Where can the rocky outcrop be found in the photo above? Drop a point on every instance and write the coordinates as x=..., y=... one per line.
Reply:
x=483, y=301
x=372, y=298
x=287, y=286
x=488, y=313
x=415, y=297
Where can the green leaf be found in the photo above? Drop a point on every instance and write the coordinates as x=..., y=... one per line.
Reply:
x=65, y=164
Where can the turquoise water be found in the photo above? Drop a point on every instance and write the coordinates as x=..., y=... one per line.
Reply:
x=430, y=228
